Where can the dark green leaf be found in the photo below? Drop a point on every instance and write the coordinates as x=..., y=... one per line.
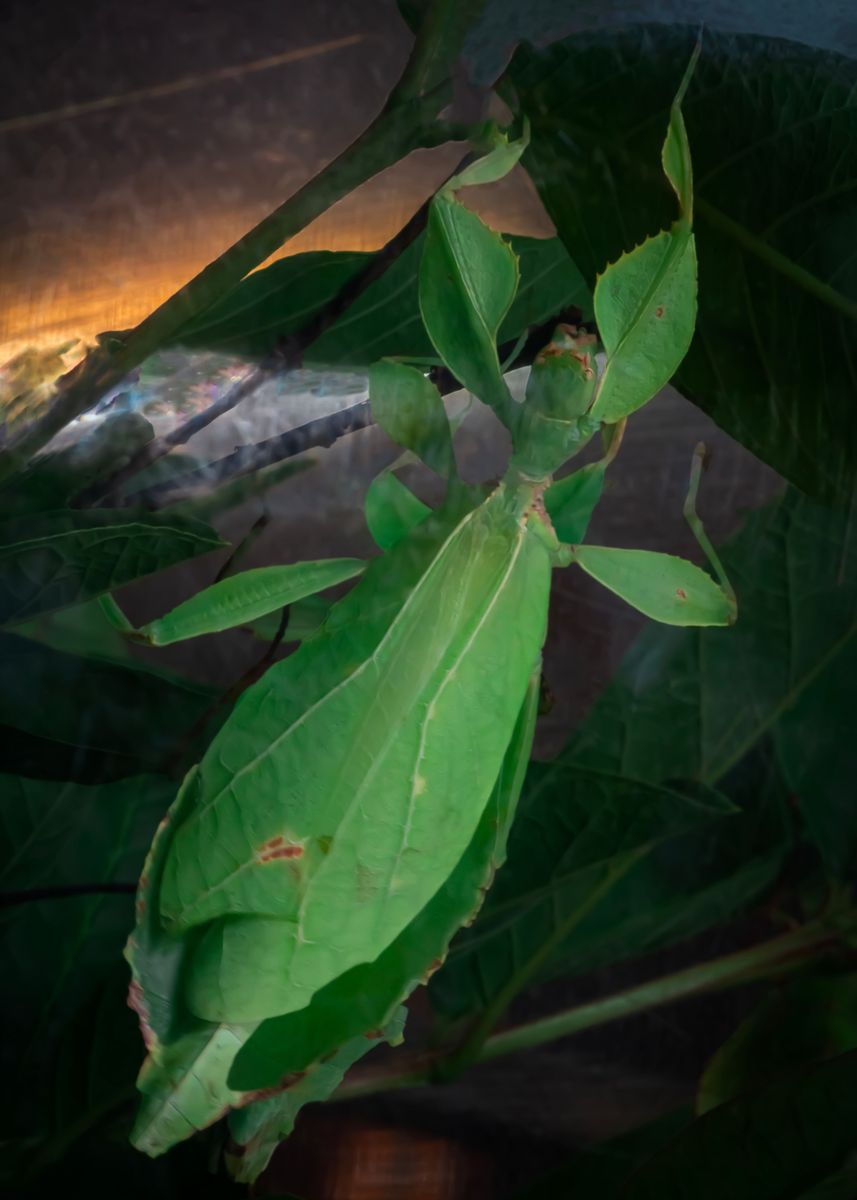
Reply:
x=502, y=24
x=103, y=720
x=719, y=692
x=805, y=1020
x=385, y=319
x=391, y=510
x=814, y=739
x=55, y=834
x=773, y=128
x=777, y=1143
x=61, y=558
x=273, y=303
x=597, y=870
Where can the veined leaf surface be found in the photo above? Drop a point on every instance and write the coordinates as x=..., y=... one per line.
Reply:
x=319, y=860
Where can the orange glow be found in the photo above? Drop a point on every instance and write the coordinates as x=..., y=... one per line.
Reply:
x=56, y=286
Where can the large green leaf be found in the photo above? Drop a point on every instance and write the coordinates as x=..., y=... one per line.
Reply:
x=772, y=126
x=385, y=319
x=365, y=998
x=57, y=559
x=502, y=24
x=778, y=1143
x=306, y=864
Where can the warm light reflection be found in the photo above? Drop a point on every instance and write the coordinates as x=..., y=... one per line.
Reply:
x=55, y=287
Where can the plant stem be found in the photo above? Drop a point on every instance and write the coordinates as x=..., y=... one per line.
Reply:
x=764, y=961
x=407, y=122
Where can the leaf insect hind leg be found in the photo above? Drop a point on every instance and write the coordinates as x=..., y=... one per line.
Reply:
x=697, y=466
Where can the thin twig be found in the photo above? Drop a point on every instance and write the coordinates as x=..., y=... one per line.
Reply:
x=320, y=433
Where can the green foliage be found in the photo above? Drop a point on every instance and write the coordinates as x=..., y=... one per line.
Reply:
x=409, y=409
x=385, y=319
x=571, y=501
x=348, y=817
x=468, y=279
x=54, y=834
x=365, y=998
x=239, y=599
x=58, y=559
x=104, y=720
x=664, y=587
x=312, y=890
x=772, y=126
x=391, y=510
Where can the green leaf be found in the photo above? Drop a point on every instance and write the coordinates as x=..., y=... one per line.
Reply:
x=665, y=588
x=720, y=695
x=275, y=858
x=781, y=1141
x=805, y=1020
x=392, y=510
x=468, y=279
x=722, y=692
x=273, y=303
x=645, y=307
x=494, y=165
x=366, y=997
x=645, y=304
x=571, y=501
x=814, y=748
x=773, y=130
x=55, y=834
x=502, y=24
x=103, y=721
x=409, y=409
x=61, y=558
x=259, y=1128
x=244, y=597
x=578, y=882
x=385, y=319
